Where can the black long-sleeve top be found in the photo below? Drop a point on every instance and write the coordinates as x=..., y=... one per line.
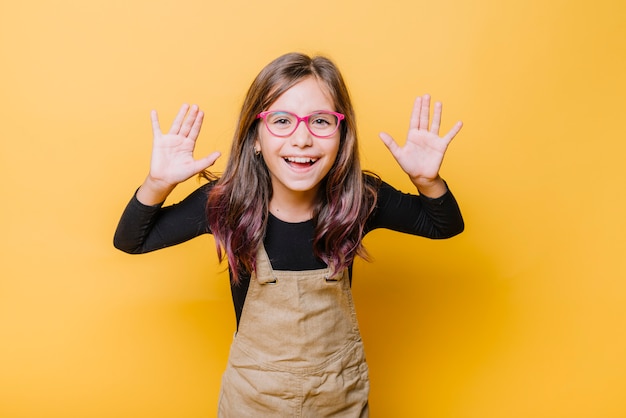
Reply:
x=144, y=228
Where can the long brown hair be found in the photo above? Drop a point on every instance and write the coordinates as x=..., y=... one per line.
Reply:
x=238, y=203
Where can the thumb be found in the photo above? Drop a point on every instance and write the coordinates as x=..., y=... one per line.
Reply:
x=208, y=161
x=390, y=143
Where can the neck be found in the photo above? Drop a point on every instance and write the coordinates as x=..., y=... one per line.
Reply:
x=294, y=207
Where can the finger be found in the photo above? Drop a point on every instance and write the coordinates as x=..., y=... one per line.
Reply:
x=425, y=112
x=414, y=123
x=189, y=121
x=390, y=143
x=156, y=128
x=206, y=162
x=178, y=121
x=197, y=125
x=452, y=132
x=436, y=123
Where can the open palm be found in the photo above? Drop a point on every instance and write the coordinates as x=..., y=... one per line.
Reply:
x=422, y=154
x=172, y=153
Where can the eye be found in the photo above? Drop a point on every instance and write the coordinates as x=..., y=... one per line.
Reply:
x=323, y=120
x=279, y=119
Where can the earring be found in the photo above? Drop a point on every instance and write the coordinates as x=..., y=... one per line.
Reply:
x=257, y=152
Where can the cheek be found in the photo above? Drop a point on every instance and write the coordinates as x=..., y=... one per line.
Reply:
x=342, y=154
x=334, y=157
x=333, y=149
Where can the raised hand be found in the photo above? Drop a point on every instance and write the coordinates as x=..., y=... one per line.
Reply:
x=172, y=159
x=422, y=154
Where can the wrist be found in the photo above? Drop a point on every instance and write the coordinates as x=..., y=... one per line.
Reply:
x=153, y=191
x=432, y=188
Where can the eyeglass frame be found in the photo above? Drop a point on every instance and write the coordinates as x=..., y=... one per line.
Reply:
x=340, y=116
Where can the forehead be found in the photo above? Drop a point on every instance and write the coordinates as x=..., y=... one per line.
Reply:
x=307, y=95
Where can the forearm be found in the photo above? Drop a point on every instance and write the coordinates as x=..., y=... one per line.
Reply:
x=444, y=219
x=436, y=218
x=143, y=228
x=134, y=226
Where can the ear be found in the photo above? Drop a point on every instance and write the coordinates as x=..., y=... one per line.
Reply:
x=257, y=146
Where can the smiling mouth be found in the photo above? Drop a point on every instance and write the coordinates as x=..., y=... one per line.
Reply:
x=300, y=161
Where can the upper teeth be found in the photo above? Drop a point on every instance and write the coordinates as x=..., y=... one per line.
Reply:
x=301, y=160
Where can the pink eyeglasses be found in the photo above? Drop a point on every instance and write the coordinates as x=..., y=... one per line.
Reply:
x=322, y=124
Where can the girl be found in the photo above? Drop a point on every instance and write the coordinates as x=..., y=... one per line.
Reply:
x=289, y=214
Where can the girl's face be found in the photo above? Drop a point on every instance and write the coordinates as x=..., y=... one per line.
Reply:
x=299, y=162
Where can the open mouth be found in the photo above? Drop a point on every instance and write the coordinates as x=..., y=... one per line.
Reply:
x=300, y=161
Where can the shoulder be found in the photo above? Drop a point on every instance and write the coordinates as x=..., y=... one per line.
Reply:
x=375, y=185
x=371, y=179
x=203, y=191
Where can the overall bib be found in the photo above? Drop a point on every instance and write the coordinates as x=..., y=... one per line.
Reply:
x=298, y=351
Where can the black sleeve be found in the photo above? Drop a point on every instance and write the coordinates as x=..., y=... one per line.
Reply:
x=416, y=214
x=147, y=228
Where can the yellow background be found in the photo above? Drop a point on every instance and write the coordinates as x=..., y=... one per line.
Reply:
x=523, y=315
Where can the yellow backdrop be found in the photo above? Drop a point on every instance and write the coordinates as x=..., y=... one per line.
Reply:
x=523, y=315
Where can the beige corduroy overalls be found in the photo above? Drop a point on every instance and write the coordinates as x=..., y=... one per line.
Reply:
x=298, y=351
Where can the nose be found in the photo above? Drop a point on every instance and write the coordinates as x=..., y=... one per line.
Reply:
x=301, y=137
